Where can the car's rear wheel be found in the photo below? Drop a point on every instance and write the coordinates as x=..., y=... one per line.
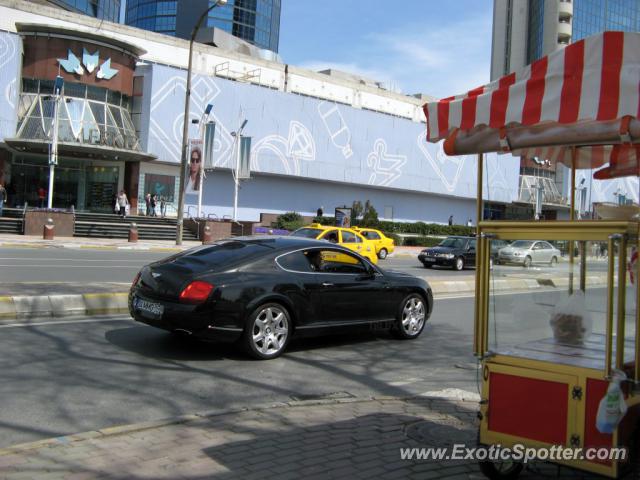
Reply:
x=458, y=264
x=527, y=262
x=267, y=332
x=412, y=317
x=382, y=254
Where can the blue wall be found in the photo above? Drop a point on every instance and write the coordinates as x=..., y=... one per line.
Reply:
x=10, y=63
x=303, y=137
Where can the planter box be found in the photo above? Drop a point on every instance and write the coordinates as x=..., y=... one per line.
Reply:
x=34, y=221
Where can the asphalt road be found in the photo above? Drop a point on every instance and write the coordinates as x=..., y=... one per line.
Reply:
x=120, y=266
x=70, y=377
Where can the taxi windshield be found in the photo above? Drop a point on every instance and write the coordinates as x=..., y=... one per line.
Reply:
x=306, y=232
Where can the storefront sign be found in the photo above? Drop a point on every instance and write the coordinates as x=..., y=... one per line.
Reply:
x=90, y=61
x=343, y=217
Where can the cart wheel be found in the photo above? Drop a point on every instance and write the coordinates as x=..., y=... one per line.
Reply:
x=500, y=470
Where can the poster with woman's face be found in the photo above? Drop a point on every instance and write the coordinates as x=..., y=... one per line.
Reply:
x=194, y=170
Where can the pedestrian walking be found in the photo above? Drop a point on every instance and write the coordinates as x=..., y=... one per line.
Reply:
x=450, y=220
x=3, y=197
x=163, y=207
x=122, y=203
x=320, y=212
x=147, y=202
x=154, y=202
x=42, y=197
x=469, y=223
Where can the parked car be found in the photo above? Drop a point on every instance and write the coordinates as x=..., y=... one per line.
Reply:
x=345, y=237
x=456, y=252
x=260, y=291
x=528, y=252
x=496, y=246
x=383, y=244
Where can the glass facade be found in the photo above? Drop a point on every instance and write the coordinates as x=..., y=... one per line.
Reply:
x=86, y=115
x=536, y=30
x=104, y=9
x=594, y=16
x=256, y=21
x=154, y=15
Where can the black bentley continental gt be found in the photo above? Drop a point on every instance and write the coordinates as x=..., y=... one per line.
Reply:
x=260, y=291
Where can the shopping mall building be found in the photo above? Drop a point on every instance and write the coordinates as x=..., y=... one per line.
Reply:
x=317, y=139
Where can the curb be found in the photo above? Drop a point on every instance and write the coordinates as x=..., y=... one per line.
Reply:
x=182, y=419
x=136, y=248
x=56, y=306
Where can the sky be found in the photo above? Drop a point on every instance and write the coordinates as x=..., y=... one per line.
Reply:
x=437, y=47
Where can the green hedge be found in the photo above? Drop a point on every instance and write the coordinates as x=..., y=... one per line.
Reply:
x=420, y=241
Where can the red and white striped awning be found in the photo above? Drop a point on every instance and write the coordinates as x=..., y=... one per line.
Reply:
x=585, y=94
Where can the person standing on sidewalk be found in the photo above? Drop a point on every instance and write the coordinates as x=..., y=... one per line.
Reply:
x=3, y=197
x=163, y=207
x=42, y=197
x=123, y=201
x=450, y=220
x=154, y=203
x=147, y=202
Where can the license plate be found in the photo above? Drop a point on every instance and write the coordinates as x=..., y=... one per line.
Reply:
x=428, y=259
x=146, y=308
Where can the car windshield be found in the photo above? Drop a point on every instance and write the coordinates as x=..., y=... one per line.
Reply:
x=306, y=232
x=522, y=244
x=452, y=243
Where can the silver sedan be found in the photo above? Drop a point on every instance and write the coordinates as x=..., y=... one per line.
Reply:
x=528, y=252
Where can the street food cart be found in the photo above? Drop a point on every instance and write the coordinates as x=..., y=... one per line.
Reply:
x=550, y=352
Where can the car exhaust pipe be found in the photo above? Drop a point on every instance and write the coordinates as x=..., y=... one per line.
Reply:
x=182, y=330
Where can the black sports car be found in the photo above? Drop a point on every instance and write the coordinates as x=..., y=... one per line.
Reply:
x=262, y=290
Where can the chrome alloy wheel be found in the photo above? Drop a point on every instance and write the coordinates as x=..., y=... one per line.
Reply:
x=270, y=330
x=413, y=315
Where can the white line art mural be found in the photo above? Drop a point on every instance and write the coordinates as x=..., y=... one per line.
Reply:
x=289, y=151
x=204, y=90
x=10, y=93
x=336, y=127
x=387, y=168
x=447, y=168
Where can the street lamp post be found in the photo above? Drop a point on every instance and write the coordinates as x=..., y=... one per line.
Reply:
x=202, y=129
x=236, y=178
x=53, y=156
x=185, y=131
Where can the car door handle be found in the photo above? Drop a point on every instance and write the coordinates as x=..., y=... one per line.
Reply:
x=327, y=284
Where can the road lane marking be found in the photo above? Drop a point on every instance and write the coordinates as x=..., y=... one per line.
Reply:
x=64, y=322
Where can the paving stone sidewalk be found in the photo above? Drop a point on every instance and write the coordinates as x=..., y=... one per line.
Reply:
x=347, y=439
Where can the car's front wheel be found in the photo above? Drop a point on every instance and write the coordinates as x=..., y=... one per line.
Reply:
x=527, y=262
x=553, y=261
x=382, y=254
x=412, y=317
x=267, y=332
x=458, y=264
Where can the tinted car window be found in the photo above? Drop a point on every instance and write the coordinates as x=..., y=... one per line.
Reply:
x=349, y=237
x=306, y=232
x=333, y=261
x=219, y=255
x=472, y=244
x=331, y=236
x=452, y=243
x=371, y=235
x=295, y=261
x=522, y=244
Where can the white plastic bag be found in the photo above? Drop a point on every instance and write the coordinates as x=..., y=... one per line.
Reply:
x=612, y=407
x=570, y=320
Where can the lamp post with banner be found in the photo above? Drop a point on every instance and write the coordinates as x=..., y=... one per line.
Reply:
x=243, y=147
x=185, y=130
x=53, y=149
x=203, y=131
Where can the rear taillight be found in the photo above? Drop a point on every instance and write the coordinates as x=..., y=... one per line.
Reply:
x=135, y=280
x=196, y=292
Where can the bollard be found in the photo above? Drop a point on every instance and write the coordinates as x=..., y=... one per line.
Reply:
x=48, y=230
x=206, y=235
x=133, y=233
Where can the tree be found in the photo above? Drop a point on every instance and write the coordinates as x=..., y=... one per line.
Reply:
x=369, y=216
x=289, y=221
x=356, y=212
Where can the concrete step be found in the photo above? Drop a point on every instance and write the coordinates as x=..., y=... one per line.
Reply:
x=10, y=225
x=121, y=230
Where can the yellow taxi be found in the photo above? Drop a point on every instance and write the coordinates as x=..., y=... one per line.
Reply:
x=345, y=237
x=384, y=245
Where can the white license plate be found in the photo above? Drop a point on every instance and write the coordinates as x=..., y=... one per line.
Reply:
x=148, y=308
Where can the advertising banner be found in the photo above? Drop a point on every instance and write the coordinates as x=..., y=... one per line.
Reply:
x=343, y=217
x=195, y=167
